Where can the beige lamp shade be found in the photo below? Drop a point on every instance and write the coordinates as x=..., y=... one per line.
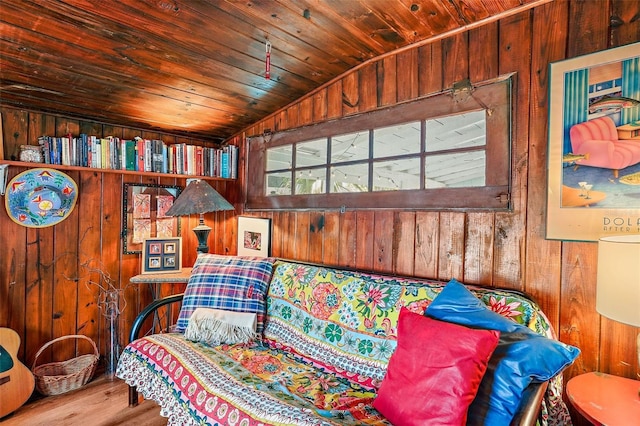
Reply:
x=618, y=281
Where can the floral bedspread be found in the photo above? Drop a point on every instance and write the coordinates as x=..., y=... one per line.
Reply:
x=314, y=314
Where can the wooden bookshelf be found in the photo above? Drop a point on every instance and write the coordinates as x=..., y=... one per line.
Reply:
x=118, y=171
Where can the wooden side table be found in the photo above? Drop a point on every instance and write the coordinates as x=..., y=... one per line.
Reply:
x=604, y=399
x=181, y=277
x=154, y=281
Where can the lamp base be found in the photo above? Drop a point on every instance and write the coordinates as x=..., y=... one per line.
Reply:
x=202, y=234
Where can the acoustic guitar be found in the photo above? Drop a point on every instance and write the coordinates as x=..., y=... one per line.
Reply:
x=16, y=380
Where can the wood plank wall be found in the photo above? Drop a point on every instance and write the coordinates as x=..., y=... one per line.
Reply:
x=505, y=249
x=44, y=288
x=499, y=249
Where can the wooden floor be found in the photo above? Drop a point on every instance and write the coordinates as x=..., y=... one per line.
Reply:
x=100, y=402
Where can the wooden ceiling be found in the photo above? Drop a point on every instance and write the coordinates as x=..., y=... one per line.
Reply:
x=196, y=67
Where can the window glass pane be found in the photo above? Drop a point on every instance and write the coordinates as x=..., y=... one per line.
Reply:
x=279, y=158
x=350, y=147
x=396, y=175
x=352, y=178
x=311, y=153
x=456, y=131
x=278, y=183
x=456, y=170
x=396, y=140
x=312, y=181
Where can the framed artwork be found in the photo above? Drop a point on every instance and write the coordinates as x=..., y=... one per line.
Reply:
x=254, y=236
x=594, y=145
x=144, y=214
x=161, y=255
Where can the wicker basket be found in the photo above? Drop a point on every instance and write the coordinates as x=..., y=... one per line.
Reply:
x=59, y=377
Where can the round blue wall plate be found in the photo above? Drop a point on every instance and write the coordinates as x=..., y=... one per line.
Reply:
x=38, y=198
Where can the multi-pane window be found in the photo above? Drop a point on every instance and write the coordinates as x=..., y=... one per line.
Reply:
x=438, y=152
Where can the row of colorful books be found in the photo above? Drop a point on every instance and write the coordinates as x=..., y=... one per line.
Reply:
x=139, y=154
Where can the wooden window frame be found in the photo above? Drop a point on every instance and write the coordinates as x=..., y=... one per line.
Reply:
x=493, y=96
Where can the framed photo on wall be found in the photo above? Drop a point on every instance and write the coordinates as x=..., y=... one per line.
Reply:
x=254, y=236
x=594, y=145
x=161, y=255
x=143, y=214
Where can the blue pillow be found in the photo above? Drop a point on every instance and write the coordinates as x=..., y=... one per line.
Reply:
x=522, y=355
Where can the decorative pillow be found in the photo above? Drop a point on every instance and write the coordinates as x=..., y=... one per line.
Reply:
x=435, y=371
x=230, y=283
x=521, y=356
x=214, y=327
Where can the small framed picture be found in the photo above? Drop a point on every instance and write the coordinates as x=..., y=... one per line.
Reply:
x=161, y=255
x=254, y=236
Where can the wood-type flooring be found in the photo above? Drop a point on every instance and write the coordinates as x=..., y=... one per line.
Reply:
x=101, y=402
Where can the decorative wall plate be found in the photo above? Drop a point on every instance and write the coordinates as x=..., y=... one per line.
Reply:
x=38, y=198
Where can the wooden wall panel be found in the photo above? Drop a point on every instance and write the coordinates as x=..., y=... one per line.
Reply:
x=368, y=88
x=301, y=236
x=578, y=316
x=478, y=256
x=383, y=241
x=331, y=235
x=350, y=94
x=334, y=100
x=15, y=132
x=364, y=248
x=590, y=31
x=293, y=115
x=13, y=262
x=316, y=234
x=627, y=12
x=451, y=246
x=455, y=59
x=348, y=242
x=509, y=253
x=89, y=254
x=404, y=242
x=427, y=244
x=49, y=276
x=65, y=283
x=387, y=81
x=306, y=111
x=542, y=268
x=277, y=234
x=39, y=302
x=320, y=106
x=287, y=227
x=39, y=276
x=430, y=74
x=485, y=63
x=407, y=79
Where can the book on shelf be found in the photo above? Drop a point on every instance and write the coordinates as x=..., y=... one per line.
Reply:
x=143, y=155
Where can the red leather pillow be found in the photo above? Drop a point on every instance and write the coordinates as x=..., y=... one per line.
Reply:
x=435, y=371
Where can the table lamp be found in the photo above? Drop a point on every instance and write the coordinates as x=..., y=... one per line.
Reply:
x=199, y=198
x=618, y=280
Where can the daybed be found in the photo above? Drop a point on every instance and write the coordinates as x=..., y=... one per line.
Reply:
x=323, y=351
